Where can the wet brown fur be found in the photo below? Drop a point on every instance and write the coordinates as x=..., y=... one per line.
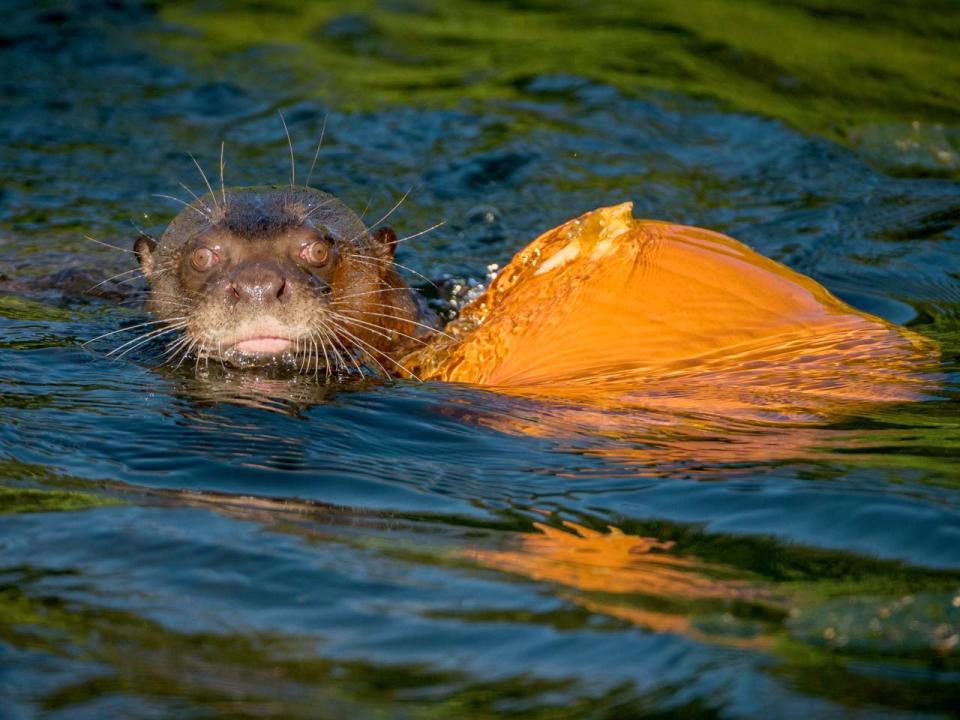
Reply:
x=357, y=311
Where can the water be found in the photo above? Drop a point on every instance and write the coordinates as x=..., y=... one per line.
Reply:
x=183, y=546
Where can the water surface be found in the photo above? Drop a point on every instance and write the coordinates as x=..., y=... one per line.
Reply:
x=184, y=544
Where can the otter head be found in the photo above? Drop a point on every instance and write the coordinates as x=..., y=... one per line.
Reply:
x=282, y=276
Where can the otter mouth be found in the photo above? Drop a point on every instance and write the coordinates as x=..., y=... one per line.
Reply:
x=263, y=345
x=256, y=342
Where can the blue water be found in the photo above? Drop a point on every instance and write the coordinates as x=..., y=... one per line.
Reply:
x=175, y=544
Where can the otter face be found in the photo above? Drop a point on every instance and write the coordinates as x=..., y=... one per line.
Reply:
x=255, y=300
x=278, y=276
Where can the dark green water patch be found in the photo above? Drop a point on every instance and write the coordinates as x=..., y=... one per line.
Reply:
x=824, y=67
x=19, y=500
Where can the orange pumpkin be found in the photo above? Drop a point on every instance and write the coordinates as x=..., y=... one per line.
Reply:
x=612, y=310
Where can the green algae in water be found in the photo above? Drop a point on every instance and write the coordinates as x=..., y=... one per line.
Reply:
x=14, y=307
x=884, y=78
x=27, y=488
x=24, y=500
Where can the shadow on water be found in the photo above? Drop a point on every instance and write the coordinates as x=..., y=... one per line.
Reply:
x=199, y=542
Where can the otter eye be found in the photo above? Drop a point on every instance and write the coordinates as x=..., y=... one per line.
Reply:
x=316, y=252
x=203, y=259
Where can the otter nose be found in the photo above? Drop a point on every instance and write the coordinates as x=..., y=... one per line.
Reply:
x=261, y=283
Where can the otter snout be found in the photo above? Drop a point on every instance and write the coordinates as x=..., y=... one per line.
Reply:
x=259, y=282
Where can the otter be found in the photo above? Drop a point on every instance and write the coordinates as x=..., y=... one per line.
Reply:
x=601, y=309
x=281, y=276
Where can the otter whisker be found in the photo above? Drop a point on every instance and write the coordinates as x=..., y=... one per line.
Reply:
x=115, y=247
x=386, y=307
x=323, y=131
x=307, y=215
x=308, y=346
x=324, y=339
x=310, y=349
x=407, y=320
x=381, y=331
x=346, y=353
x=388, y=214
x=175, y=346
x=184, y=344
x=293, y=162
x=175, y=324
x=139, y=230
x=383, y=262
x=416, y=235
x=144, y=338
x=168, y=295
x=206, y=181
x=114, y=277
x=366, y=208
x=375, y=329
x=131, y=327
x=385, y=356
x=200, y=212
x=380, y=305
x=356, y=339
x=196, y=197
x=183, y=339
x=386, y=334
x=307, y=352
x=372, y=292
x=139, y=300
x=359, y=320
x=177, y=307
x=187, y=351
x=143, y=342
x=326, y=360
x=127, y=281
x=374, y=349
x=223, y=189
x=202, y=354
x=380, y=262
x=156, y=332
x=136, y=300
x=156, y=275
x=341, y=360
x=296, y=353
x=320, y=342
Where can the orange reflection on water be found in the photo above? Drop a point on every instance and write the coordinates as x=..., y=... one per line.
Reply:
x=613, y=563
x=608, y=562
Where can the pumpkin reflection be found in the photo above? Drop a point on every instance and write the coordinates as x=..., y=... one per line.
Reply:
x=592, y=566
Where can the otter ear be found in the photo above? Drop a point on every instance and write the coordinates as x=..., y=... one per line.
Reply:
x=385, y=243
x=144, y=248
